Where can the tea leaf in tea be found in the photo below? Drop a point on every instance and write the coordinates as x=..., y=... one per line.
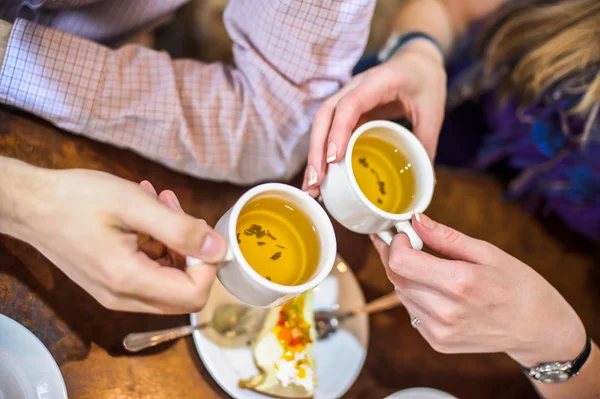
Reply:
x=270, y=235
x=383, y=173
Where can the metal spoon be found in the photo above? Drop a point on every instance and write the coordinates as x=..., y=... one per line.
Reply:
x=328, y=322
x=228, y=320
x=235, y=320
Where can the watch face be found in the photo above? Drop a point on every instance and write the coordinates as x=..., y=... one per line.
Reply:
x=554, y=376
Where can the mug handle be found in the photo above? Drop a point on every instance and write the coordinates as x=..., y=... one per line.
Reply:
x=190, y=261
x=403, y=227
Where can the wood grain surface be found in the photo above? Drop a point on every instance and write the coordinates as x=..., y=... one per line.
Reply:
x=84, y=338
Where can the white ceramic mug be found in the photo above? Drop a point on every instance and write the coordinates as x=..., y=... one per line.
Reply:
x=240, y=279
x=350, y=207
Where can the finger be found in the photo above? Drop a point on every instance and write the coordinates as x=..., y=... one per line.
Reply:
x=177, y=230
x=454, y=244
x=167, y=287
x=412, y=306
x=437, y=305
x=169, y=198
x=382, y=248
x=362, y=99
x=318, y=137
x=317, y=153
x=423, y=268
x=429, y=328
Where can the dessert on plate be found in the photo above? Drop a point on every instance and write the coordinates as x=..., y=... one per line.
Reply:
x=283, y=351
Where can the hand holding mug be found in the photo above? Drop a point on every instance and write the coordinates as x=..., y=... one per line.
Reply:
x=483, y=300
x=411, y=84
x=384, y=178
x=87, y=223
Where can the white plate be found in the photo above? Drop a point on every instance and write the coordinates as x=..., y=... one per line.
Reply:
x=420, y=393
x=27, y=369
x=339, y=358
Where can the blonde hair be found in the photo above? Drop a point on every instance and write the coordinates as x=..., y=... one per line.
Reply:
x=544, y=43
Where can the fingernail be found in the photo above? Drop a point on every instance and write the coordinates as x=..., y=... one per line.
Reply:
x=212, y=246
x=312, y=176
x=331, y=152
x=424, y=220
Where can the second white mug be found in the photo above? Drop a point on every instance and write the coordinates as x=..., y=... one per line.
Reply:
x=348, y=205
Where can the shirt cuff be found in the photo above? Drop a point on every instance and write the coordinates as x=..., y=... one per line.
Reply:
x=52, y=74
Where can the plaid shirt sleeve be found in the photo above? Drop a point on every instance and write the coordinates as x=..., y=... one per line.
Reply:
x=242, y=123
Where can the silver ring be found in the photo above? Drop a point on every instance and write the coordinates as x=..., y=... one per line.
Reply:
x=414, y=321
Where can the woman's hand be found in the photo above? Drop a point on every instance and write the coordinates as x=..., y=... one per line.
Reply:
x=483, y=300
x=411, y=84
x=87, y=223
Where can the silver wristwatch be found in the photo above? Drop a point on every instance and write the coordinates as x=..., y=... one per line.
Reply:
x=560, y=371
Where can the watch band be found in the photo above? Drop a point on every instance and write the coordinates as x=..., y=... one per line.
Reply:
x=582, y=358
x=396, y=41
x=571, y=368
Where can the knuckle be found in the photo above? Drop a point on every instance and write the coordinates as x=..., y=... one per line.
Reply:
x=191, y=231
x=119, y=282
x=441, y=338
x=440, y=348
x=350, y=102
x=400, y=283
x=198, y=303
x=109, y=301
x=448, y=316
x=449, y=235
x=398, y=261
x=463, y=283
x=326, y=109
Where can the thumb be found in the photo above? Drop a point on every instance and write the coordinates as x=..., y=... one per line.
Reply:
x=176, y=229
x=451, y=243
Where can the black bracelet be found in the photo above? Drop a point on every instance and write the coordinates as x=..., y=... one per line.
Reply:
x=407, y=37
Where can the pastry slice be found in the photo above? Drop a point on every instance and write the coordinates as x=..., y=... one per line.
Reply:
x=284, y=351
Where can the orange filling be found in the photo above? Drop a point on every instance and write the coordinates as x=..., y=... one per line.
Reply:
x=292, y=331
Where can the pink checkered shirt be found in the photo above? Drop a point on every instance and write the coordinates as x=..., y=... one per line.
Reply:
x=242, y=123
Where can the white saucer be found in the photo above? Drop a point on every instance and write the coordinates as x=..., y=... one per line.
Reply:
x=27, y=369
x=420, y=393
x=339, y=358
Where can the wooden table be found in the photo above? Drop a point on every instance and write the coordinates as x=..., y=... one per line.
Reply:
x=84, y=338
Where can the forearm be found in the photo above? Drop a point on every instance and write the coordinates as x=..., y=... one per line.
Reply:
x=243, y=124
x=444, y=20
x=585, y=385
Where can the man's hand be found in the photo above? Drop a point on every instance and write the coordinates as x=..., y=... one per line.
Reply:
x=87, y=223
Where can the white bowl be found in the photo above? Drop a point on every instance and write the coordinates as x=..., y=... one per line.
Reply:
x=420, y=393
x=27, y=369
